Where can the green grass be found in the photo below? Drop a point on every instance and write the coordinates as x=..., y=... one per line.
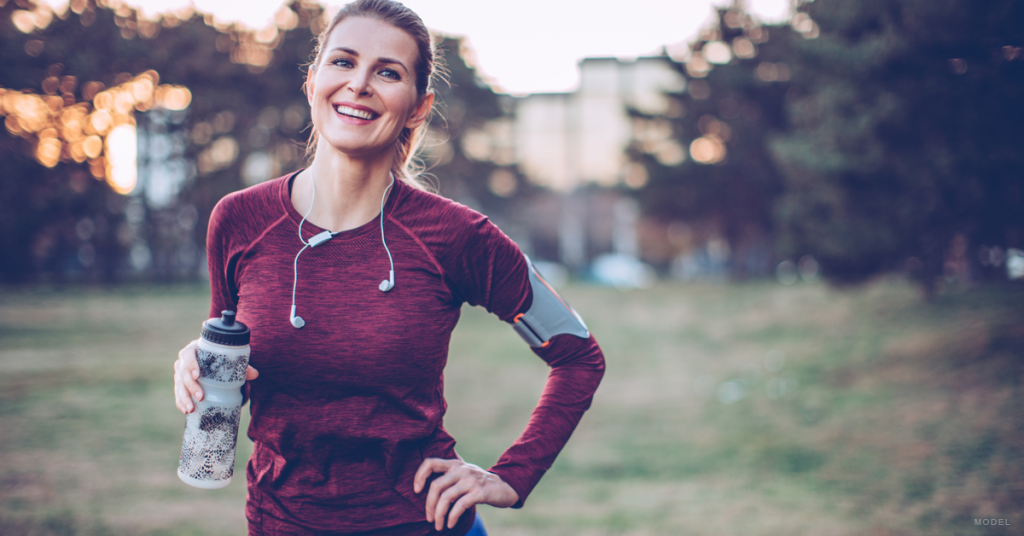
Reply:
x=884, y=416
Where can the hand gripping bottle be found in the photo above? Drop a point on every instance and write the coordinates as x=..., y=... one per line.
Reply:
x=211, y=431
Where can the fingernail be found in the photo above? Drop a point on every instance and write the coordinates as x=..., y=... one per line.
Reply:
x=189, y=408
x=195, y=374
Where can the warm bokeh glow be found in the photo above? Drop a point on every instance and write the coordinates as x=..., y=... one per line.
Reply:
x=67, y=131
x=174, y=98
x=707, y=149
x=121, y=154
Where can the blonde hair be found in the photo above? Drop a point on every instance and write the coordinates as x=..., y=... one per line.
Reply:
x=405, y=165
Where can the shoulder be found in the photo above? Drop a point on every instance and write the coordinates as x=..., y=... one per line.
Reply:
x=442, y=225
x=248, y=212
x=482, y=265
x=263, y=197
x=431, y=213
x=448, y=230
x=455, y=235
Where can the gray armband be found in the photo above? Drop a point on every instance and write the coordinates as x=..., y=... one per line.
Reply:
x=549, y=314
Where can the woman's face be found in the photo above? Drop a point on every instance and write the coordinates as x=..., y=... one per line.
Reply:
x=363, y=91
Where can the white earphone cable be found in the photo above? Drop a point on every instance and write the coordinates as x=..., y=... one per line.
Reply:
x=382, y=198
x=326, y=235
x=295, y=279
x=312, y=177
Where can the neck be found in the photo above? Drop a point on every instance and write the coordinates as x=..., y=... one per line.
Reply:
x=348, y=189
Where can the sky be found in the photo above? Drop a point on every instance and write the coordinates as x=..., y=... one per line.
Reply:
x=531, y=46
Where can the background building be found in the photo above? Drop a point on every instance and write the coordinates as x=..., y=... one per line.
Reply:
x=566, y=140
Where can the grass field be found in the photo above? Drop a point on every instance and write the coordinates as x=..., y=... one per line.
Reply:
x=726, y=409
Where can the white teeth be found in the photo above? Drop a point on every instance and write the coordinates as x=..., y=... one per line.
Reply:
x=345, y=110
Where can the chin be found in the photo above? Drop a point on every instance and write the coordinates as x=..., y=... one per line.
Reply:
x=357, y=148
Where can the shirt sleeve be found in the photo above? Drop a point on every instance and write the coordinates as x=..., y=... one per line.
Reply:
x=220, y=260
x=492, y=272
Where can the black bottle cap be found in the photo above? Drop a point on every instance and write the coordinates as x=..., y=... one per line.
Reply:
x=226, y=330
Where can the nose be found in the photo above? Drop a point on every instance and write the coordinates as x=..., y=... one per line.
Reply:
x=360, y=82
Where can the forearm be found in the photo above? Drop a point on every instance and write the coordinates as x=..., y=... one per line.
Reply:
x=577, y=366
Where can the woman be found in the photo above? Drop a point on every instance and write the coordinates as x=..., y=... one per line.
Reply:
x=348, y=402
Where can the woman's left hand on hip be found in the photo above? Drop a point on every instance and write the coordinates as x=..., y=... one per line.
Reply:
x=460, y=486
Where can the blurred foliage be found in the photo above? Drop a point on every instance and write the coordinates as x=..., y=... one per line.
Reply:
x=870, y=134
x=731, y=106
x=232, y=97
x=247, y=98
x=906, y=120
x=465, y=104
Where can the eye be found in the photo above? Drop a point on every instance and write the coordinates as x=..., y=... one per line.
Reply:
x=341, y=62
x=390, y=73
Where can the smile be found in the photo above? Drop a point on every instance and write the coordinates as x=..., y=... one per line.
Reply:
x=352, y=112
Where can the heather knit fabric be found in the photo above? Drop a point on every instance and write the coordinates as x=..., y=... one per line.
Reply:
x=346, y=408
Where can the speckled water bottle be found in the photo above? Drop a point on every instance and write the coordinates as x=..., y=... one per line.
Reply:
x=211, y=431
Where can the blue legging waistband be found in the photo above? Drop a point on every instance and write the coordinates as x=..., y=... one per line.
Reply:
x=478, y=528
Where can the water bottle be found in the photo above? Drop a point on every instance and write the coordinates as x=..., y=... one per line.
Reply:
x=211, y=431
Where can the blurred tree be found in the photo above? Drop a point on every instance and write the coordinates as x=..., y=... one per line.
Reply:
x=905, y=134
x=241, y=105
x=724, y=177
x=246, y=123
x=469, y=150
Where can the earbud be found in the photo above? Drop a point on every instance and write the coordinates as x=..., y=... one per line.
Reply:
x=388, y=284
x=385, y=285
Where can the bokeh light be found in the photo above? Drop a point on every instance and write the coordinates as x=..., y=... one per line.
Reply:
x=636, y=176
x=707, y=149
x=97, y=132
x=502, y=183
x=772, y=72
x=220, y=154
x=717, y=52
x=743, y=48
x=121, y=154
x=803, y=24
x=697, y=66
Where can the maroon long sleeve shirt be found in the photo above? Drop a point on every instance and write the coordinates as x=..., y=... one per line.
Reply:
x=346, y=408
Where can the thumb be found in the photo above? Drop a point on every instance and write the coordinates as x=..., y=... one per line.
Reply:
x=251, y=374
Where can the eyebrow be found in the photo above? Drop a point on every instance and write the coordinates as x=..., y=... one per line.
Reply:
x=352, y=52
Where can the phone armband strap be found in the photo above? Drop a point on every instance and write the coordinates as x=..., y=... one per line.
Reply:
x=549, y=314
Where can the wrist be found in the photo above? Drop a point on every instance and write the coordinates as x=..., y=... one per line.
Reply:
x=506, y=496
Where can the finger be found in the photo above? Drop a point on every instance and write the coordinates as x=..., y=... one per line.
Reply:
x=427, y=468
x=184, y=377
x=181, y=396
x=450, y=495
x=178, y=390
x=438, y=487
x=189, y=370
x=177, y=400
x=464, y=503
x=251, y=374
x=190, y=384
x=177, y=381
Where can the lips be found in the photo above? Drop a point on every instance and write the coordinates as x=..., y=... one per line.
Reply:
x=357, y=112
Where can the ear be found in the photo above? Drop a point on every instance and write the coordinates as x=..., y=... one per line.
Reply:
x=307, y=85
x=422, y=111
